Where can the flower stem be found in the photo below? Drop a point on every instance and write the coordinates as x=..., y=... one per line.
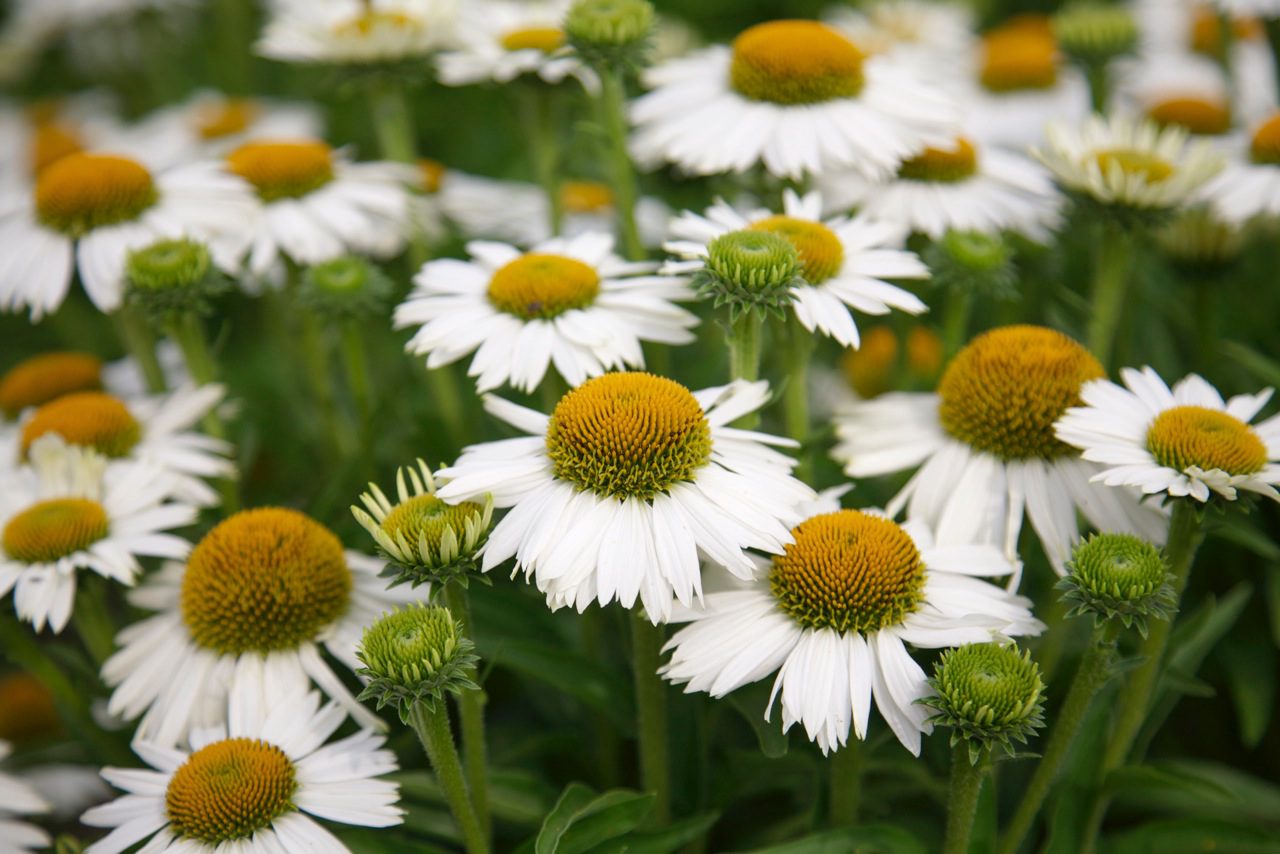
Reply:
x=1111, y=272
x=357, y=370
x=1186, y=532
x=744, y=356
x=141, y=345
x=539, y=101
x=1096, y=73
x=1094, y=671
x=955, y=320
x=471, y=717
x=317, y=358
x=91, y=618
x=796, y=394
x=651, y=709
x=613, y=104
x=188, y=331
x=397, y=139
x=962, y=801
x=846, y=784
x=433, y=730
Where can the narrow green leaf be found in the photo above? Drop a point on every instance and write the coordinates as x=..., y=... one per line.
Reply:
x=867, y=839
x=1192, y=836
x=575, y=797
x=598, y=686
x=1264, y=368
x=609, y=816
x=1187, y=787
x=665, y=841
x=1250, y=667
x=750, y=702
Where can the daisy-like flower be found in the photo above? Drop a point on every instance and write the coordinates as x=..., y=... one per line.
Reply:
x=499, y=41
x=18, y=799
x=1176, y=442
x=357, y=32
x=986, y=448
x=569, y=302
x=318, y=205
x=1249, y=185
x=1119, y=160
x=70, y=510
x=965, y=186
x=844, y=261
x=34, y=136
x=795, y=96
x=87, y=212
x=616, y=493
x=927, y=33
x=48, y=376
x=255, y=602
x=211, y=124
x=833, y=613
x=1178, y=88
x=157, y=430
x=254, y=785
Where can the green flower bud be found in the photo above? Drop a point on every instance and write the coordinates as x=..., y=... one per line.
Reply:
x=973, y=261
x=415, y=655
x=424, y=539
x=610, y=33
x=1199, y=242
x=750, y=270
x=173, y=277
x=1094, y=33
x=1118, y=576
x=989, y=694
x=345, y=287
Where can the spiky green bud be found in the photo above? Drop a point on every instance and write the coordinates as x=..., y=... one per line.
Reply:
x=415, y=655
x=345, y=287
x=1094, y=33
x=1118, y=576
x=975, y=262
x=610, y=33
x=750, y=271
x=173, y=277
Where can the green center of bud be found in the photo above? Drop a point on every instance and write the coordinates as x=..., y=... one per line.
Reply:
x=422, y=520
x=54, y=529
x=1210, y=439
x=169, y=264
x=628, y=435
x=542, y=285
x=988, y=692
x=609, y=23
x=411, y=645
x=341, y=275
x=229, y=790
x=264, y=580
x=1095, y=32
x=1118, y=566
x=976, y=251
x=752, y=260
x=848, y=571
x=795, y=62
x=942, y=165
x=1003, y=392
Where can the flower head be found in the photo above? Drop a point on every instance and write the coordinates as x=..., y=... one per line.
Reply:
x=989, y=694
x=415, y=655
x=1118, y=576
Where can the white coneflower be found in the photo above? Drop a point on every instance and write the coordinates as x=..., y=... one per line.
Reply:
x=499, y=41
x=357, y=32
x=18, y=799
x=1249, y=185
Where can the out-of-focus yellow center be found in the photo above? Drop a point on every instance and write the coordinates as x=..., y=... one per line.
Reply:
x=46, y=377
x=1131, y=162
x=1265, y=145
x=795, y=62
x=229, y=790
x=50, y=530
x=27, y=710
x=545, y=39
x=91, y=419
x=371, y=22
x=586, y=197
x=1019, y=56
x=283, y=170
x=1206, y=31
x=1203, y=116
x=821, y=252
x=226, y=118
x=1186, y=436
x=942, y=165
x=542, y=285
x=50, y=143
x=80, y=192
x=430, y=174
x=869, y=369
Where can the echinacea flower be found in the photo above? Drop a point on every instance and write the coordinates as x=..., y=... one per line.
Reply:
x=844, y=261
x=356, y=32
x=256, y=784
x=569, y=302
x=616, y=493
x=986, y=449
x=258, y=599
x=795, y=96
x=833, y=614
x=500, y=41
x=1184, y=441
x=70, y=510
x=18, y=799
x=212, y=124
x=1249, y=185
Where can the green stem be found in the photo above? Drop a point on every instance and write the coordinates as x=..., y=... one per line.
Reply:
x=471, y=717
x=1053, y=643
x=539, y=107
x=398, y=140
x=316, y=355
x=188, y=332
x=233, y=20
x=744, y=338
x=433, y=730
x=1110, y=281
x=1094, y=671
x=92, y=618
x=357, y=370
x=594, y=628
x=651, y=709
x=1186, y=532
x=1096, y=73
x=141, y=345
x=962, y=801
x=613, y=103
x=796, y=394
x=955, y=320
x=447, y=401
x=846, y=784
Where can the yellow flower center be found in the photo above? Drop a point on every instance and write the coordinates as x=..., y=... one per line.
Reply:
x=869, y=369
x=924, y=352
x=1206, y=31
x=1265, y=145
x=545, y=39
x=283, y=170
x=90, y=419
x=27, y=710
x=628, y=435
x=1186, y=436
x=848, y=571
x=80, y=192
x=795, y=62
x=942, y=165
x=226, y=118
x=1198, y=115
x=430, y=174
x=541, y=285
x=372, y=22
x=1018, y=58
x=821, y=252
x=47, y=377
x=1002, y=393
x=51, y=143
x=587, y=197
x=1135, y=163
x=229, y=790
x=54, y=529
x=263, y=580
x=424, y=518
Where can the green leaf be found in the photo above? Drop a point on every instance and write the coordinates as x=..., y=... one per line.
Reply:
x=867, y=839
x=1250, y=666
x=515, y=797
x=1192, y=836
x=664, y=841
x=1241, y=530
x=601, y=687
x=1263, y=368
x=1195, y=636
x=581, y=820
x=1163, y=778
x=1271, y=589
x=1187, y=787
x=750, y=702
